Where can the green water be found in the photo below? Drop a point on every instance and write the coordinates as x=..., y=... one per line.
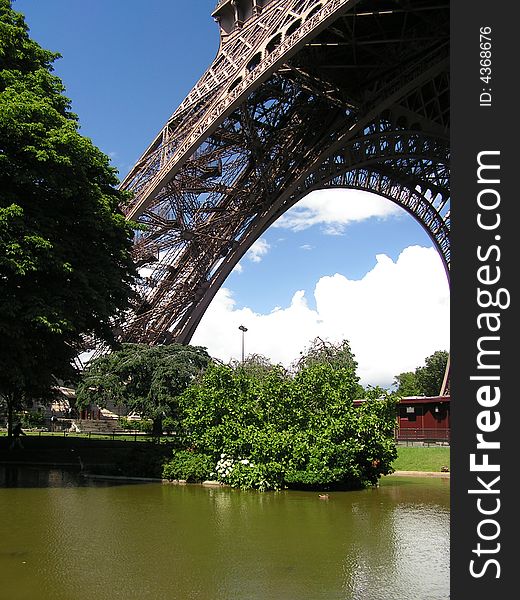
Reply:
x=160, y=541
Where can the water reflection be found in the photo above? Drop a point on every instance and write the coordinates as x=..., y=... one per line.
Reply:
x=15, y=476
x=190, y=542
x=405, y=546
x=31, y=477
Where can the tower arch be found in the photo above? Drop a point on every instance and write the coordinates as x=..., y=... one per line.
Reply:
x=302, y=95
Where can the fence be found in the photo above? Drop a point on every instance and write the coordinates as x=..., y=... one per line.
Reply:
x=420, y=434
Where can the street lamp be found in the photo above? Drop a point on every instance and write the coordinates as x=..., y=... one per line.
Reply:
x=243, y=330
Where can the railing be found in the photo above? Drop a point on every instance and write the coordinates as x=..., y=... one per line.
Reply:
x=107, y=435
x=420, y=434
x=408, y=434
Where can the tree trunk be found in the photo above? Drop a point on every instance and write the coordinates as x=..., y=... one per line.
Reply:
x=157, y=426
x=10, y=402
x=12, y=399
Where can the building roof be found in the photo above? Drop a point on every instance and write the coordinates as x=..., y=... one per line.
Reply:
x=424, y=399
x=67, y=392
x=415, y=400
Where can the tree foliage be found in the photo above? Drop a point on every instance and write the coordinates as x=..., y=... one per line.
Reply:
x=321, y=352
x=335, y=355
x=255, y=365
x=407, y=384
x=426, y=380
x=65, y=264
x=430, y=376
x=282, y=431
x=145, y=379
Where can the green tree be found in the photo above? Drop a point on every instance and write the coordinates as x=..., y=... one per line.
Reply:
x=321, y=352
x=335, y=355
x=279, y=430
x=341, y=445
x=65, y=264
x=406, y=384
x=430, y=376
x=146, y=379
x=256, y=365
x=426, y=380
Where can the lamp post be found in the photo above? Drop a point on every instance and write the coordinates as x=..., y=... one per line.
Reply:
x=243, y=330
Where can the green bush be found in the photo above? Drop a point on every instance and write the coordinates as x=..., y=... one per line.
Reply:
x=190, y=466
x=264, y=476
x=144, y=425
x=32, y=419
x=281, y=431
x=125, y=423
x=169, y=425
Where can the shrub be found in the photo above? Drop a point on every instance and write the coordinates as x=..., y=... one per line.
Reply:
x=169, y=425
x=125, y=423
x=263, y=476
x=278, y=431
x=190, y=466
x=144, y=425
x=32, y=419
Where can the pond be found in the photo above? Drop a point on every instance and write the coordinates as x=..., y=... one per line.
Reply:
x=62, y=538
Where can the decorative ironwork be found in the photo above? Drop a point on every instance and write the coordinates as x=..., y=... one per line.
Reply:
x=303, y=94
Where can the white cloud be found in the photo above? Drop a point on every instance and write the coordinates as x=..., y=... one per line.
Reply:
x=335, y=209
x=258, y=250
x=394, y=317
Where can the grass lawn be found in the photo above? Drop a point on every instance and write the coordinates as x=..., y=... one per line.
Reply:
x=420, y=458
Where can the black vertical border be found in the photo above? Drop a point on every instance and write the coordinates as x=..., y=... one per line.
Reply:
x=476, y=128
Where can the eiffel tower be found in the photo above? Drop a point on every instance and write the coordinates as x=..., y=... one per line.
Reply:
x=302, y=95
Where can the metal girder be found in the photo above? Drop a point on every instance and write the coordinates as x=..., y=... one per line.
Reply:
x=302, y=95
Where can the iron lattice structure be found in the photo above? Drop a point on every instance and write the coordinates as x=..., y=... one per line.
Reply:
x=302, y=95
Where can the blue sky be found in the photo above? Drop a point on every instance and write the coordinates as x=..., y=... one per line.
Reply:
x=339, y=265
